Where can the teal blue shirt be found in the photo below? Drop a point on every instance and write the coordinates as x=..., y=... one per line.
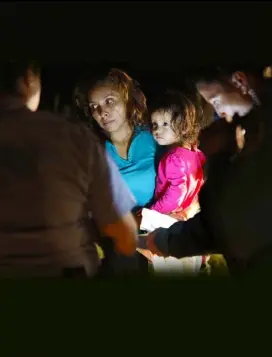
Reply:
x=139, y=169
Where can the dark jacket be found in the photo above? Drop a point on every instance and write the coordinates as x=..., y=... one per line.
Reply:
x=235, y=201
x=53, y=175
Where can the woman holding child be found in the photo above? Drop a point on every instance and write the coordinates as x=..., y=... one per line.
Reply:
x=118, y=109
x=118, y=112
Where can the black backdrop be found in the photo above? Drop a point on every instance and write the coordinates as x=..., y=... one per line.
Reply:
x=157, y=42
x=61, y=79
x=165, y=36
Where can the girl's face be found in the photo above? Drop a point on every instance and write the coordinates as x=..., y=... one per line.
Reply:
x=162, y=128
x=107, y=108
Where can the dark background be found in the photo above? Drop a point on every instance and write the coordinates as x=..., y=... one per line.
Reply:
x=158, y=43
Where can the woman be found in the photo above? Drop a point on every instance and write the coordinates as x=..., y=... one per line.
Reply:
x=117, y=109
x=53, y=174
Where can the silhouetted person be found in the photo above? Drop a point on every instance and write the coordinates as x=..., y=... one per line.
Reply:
x=55, y=179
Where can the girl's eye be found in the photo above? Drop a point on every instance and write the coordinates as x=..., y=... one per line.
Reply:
x=165, y=124
x=154, y=126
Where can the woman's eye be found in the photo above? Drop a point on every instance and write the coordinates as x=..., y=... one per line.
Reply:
x=93, y=107
x=109, y=101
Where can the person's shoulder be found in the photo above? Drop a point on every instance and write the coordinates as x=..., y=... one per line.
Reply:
x=177, y=152
x=53, y=119
x=50, y=122
x=58, y=120
x=46, y=115
x=77, y=132
x=172, y=162
x=174, y=156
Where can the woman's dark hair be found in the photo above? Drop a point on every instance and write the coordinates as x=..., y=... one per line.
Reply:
x=11, y=71
x=128, y=88
x=187, y=114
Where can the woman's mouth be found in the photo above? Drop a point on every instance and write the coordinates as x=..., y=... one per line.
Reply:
x=107, y=123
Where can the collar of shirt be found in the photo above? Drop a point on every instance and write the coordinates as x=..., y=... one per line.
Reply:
x=8, y=102
x=136, y=133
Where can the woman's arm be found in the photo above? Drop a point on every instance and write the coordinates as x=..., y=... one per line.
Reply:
x=111, y=202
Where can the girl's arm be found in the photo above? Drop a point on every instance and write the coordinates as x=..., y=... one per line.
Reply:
x=172, y=168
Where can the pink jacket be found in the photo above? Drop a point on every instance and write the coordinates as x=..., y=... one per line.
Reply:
x=180, y=177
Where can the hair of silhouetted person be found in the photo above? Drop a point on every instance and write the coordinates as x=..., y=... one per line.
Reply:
x=11, y=71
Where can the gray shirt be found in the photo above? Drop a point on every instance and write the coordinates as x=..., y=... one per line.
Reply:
x=52, y=173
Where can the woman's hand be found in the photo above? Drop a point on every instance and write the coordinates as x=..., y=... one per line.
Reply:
x=139, y=212
x=138, y=217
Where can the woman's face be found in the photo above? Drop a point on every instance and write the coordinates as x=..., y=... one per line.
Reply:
x=107, y=108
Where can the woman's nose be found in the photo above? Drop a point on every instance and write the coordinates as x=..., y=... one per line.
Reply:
x=102, y=112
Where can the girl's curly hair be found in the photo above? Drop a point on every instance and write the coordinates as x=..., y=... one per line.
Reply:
x=187, y=114
x=12, y=70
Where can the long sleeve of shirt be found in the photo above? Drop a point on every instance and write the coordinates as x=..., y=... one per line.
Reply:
x=184, y=239
x=172, y=175
x=180, y=177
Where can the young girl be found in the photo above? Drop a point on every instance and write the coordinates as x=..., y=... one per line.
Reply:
x=176, y=126
x=180, y=176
